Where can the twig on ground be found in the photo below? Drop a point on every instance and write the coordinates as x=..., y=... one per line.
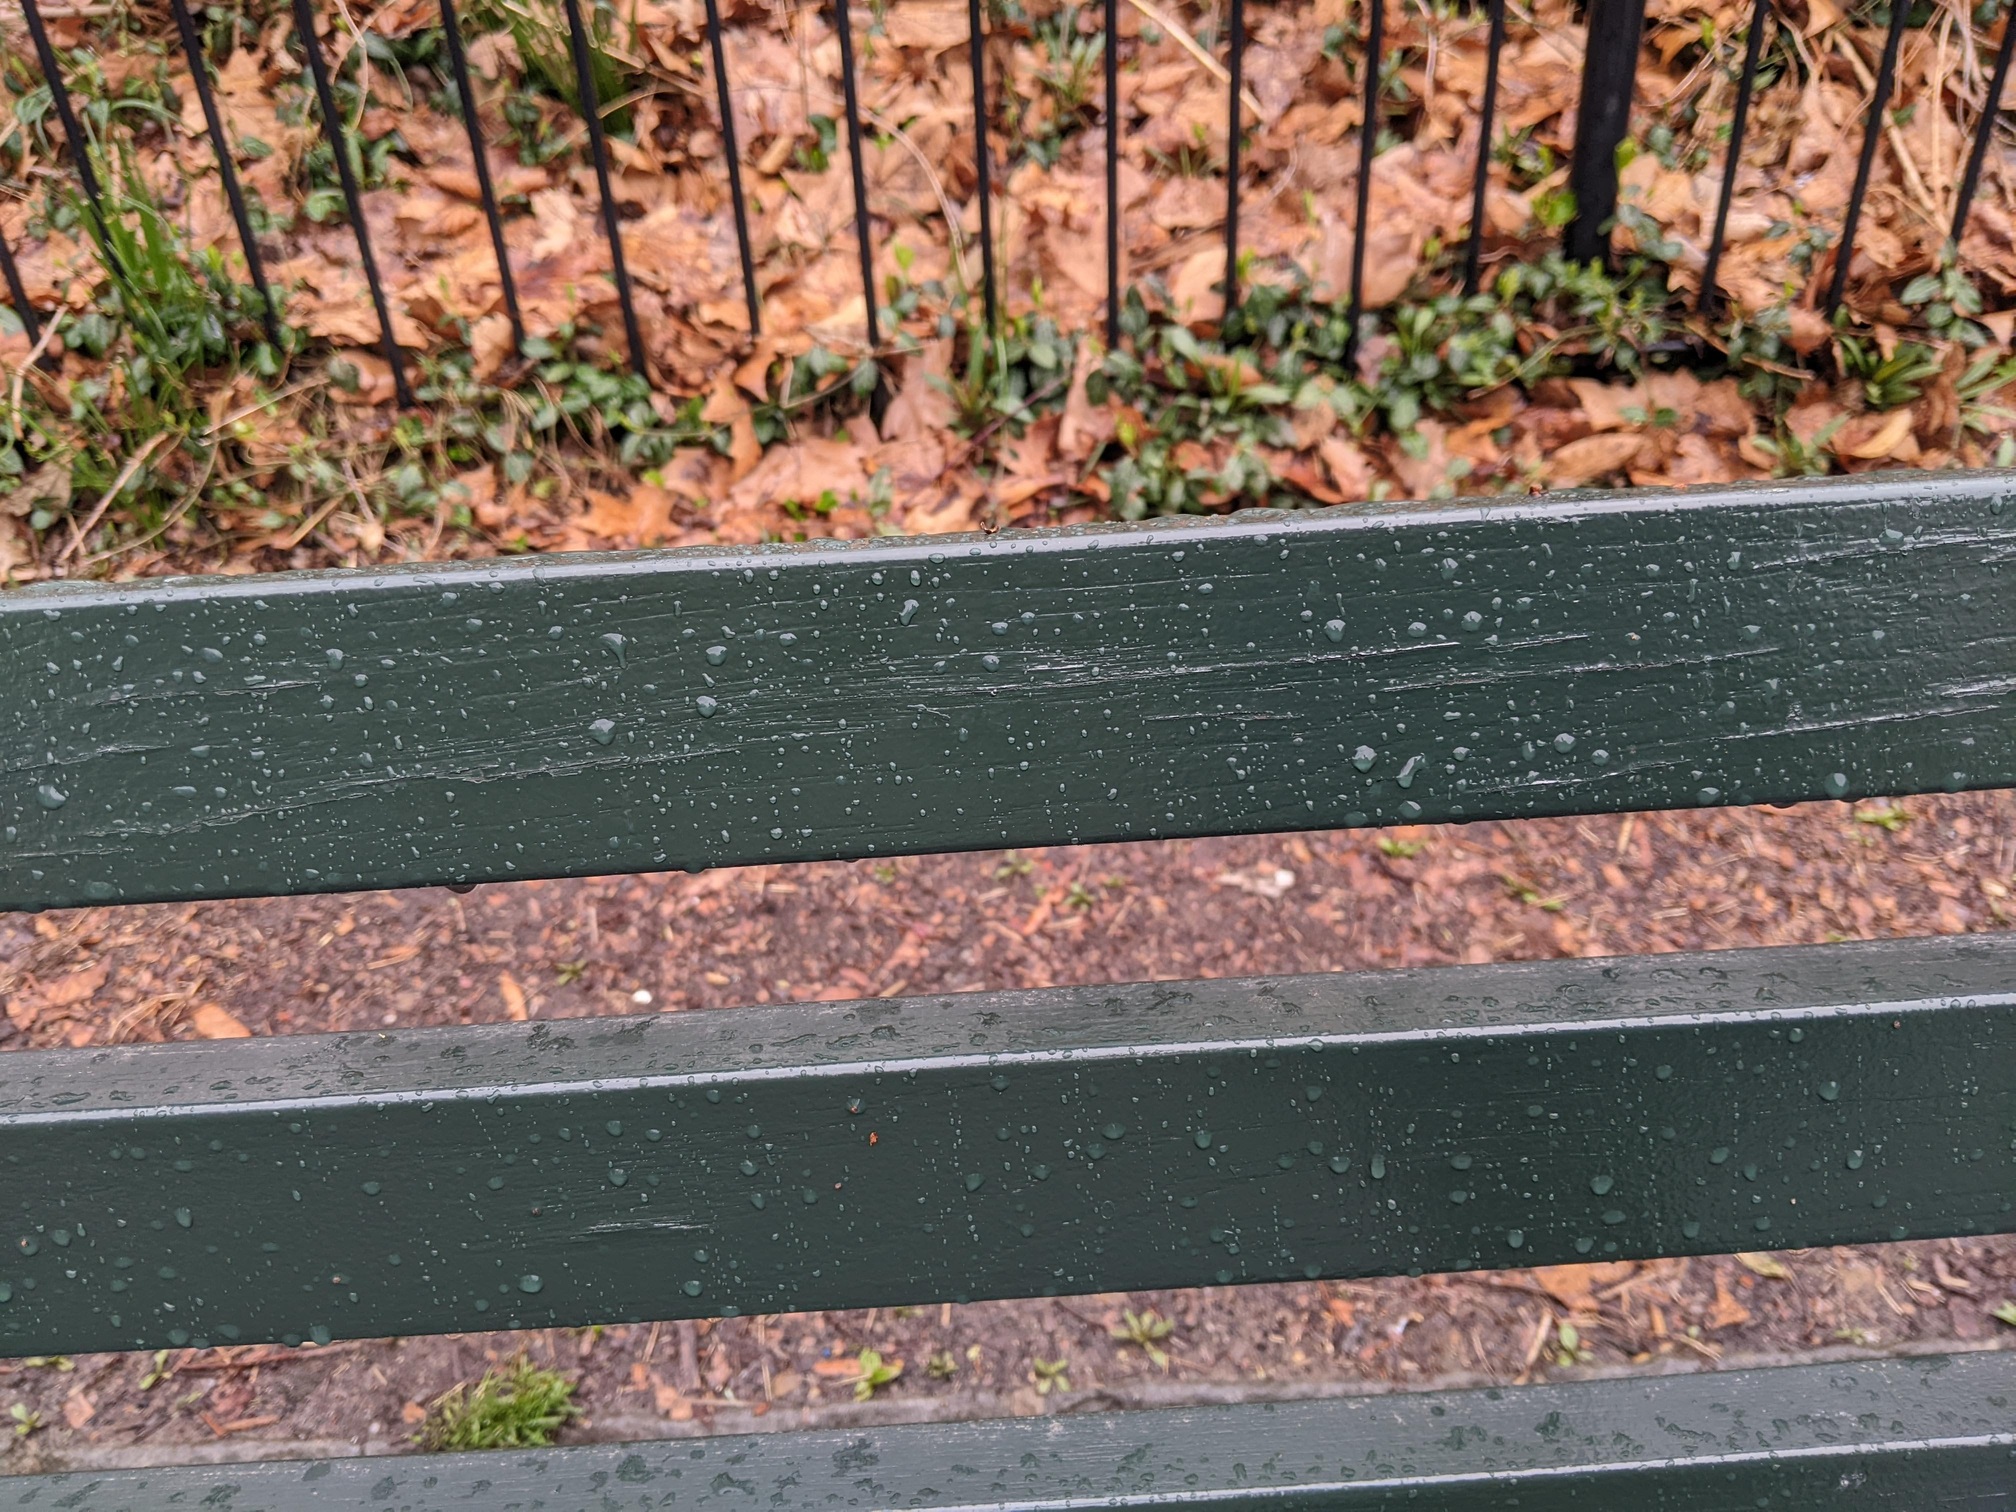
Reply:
x=133, y=465
x=1192, y=46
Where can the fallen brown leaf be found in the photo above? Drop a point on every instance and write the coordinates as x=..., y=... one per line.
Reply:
x=1767, y=1266
x=214, y=1021
x=1592, y=457
x=1727, y=1311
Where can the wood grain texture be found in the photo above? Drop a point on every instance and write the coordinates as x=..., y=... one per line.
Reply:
x=1874, y=1436
x=572, y=715
x=1005, y=1144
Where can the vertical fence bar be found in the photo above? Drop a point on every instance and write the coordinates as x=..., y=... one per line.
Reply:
x=1234, y=120
x=1112, y=60
x=976, y=52
x=863, y=231
x=733, y=153
x=227, y=170
x=598, y=152
x=458, y=65
x=1746, y=83
x=1872, y=134
x=1368, y=147
x=353, y=199
x=73, y=132
x=17, y=291
x=1473, y=251
x=1991, y=107
x=1609, y=72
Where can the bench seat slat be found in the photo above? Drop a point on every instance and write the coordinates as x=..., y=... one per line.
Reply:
x=1004, y=1144
x=1871, y=1436
x=578, y=715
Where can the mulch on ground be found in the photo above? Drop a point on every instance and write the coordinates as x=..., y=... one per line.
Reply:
x=1211, y=908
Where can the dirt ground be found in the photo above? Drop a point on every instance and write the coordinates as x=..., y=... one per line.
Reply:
x=1312, y=902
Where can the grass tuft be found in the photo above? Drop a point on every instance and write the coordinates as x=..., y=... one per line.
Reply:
x=522, y=1408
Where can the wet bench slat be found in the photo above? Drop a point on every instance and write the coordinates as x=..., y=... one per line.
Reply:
x=1006, y=1144
x=576, y=715
x=1872, y=1436
x=1562, y=655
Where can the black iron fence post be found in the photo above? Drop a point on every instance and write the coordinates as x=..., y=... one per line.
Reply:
x=1609, y=72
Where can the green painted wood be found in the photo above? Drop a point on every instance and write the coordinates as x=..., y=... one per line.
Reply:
x=1003, y=1144
x=601, y=714
x=1877, y=1436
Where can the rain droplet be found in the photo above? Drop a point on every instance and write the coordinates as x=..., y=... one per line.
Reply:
x=716, y=655
x=1828, y=1091
x=1602, y=1184
x=604, y=731
x=706, y=706
x=1202, y=1139
x=530, y=1285
x=51, y=796
x=1363, y=757
x=1334, y=629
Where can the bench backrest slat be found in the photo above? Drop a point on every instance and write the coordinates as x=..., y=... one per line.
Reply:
x=1004, y=1144
x=591, y=715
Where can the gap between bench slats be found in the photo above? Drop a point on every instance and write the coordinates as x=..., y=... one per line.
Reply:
x=577, y=715
x=1005, y=1144
x=1877, y=1436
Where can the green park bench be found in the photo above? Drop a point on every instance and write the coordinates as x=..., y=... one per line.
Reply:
x=483, y=722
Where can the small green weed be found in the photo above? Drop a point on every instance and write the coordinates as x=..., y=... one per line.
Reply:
x=1013, y=866
x=570, y=972
x=1399, y=849
x=1050, y=1375
x=156, y=1374
x=1525, y=892
x=521, y=1409
x=943, y=1365
x=1888, y=382
x=1568, y=1346
x=875, y=1372
x=2005, y=1313
x=61, y=1363
x=26, y=1419
x=1146, y=1329
x=1078, y=895
x=1888, y=817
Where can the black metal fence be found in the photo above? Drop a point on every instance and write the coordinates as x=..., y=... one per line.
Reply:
x=1615, y=32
